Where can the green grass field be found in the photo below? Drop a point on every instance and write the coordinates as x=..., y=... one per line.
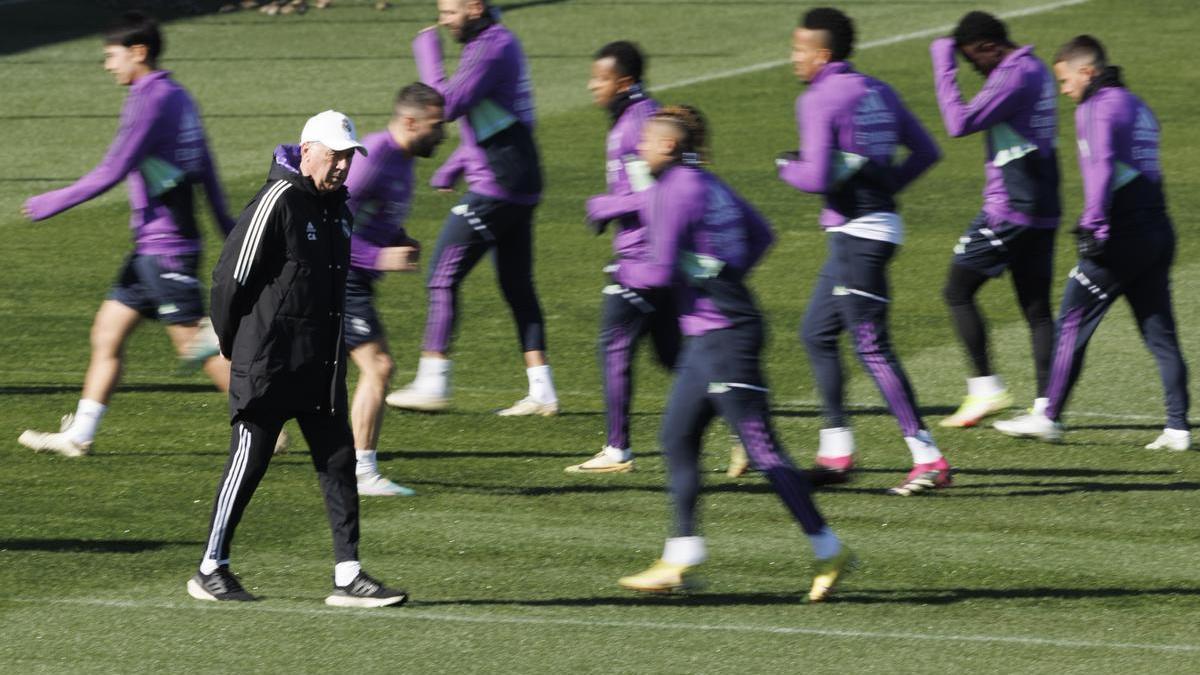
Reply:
x=1073, y=558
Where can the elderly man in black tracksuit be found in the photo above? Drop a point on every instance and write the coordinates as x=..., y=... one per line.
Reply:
x=277, y=297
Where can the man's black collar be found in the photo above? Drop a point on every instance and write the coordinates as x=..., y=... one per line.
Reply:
x=622, y=101
x=1109, y=77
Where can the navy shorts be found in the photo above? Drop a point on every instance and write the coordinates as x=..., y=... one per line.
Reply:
x=991, y=250
x=362, y=321
x=162, y=287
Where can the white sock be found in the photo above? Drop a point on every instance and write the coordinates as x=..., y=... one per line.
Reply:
x=344, y=572
x=433, y=376
x=1039, y=405
x=541, y=384
x=366, y=461
x=208, y=565
x=988, y=385
x=685, y=551
x=825, y=544
x=87, y=419
x=836, y=443
x=922, y=447
x=618, y=454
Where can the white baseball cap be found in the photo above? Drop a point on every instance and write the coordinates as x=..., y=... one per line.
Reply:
x=333, y=130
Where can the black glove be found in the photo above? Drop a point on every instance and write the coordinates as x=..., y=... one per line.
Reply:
x=786, y=156
x=1088, y=245
x=596, y=226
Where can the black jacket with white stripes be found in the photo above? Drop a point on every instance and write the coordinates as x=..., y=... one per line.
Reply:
x=278, y=293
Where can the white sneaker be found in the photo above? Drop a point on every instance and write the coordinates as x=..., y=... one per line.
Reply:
x=202, y=347
x=527, y=407
x=1176, y=440
x=412, y=398
x=1031, y=425
x=60, y=442
x=608, y=460
x=373, y=484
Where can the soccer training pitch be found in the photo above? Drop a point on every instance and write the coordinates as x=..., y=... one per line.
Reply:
x=1080, y=557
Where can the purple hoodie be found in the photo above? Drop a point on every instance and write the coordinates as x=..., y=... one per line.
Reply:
x=1017, y=109
x=850, y=127
x=381, y=187
x=1118, y=138
x=703, y=240
x=620, y=202
x=160, y=150
x=491, y=94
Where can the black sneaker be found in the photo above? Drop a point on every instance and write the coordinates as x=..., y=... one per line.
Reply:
x=220, y=585
x=365, y=592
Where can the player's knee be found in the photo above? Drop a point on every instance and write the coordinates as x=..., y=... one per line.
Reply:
x=816, y=340
x=384, y=366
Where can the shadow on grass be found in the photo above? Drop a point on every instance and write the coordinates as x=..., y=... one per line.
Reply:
x=90, y=545
x=49, y=389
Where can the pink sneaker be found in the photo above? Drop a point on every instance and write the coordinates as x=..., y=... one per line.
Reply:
x=925, y=477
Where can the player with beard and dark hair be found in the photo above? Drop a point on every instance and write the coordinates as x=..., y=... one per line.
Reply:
x=1016, y=112
x=1126, y=242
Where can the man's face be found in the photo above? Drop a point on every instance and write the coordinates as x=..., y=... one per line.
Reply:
x=1074, y=77
x=605, y=82
x=327, y=168
x=983, y=56
x=810, y=52
x=657, y=145
x=125, y=63
x=426, y=131
x=454, y=14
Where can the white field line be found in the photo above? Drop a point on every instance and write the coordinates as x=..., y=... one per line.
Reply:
x=883, y=42
x=413, y=614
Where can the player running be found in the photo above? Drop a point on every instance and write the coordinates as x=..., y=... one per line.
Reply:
x=160, y=149
x=380, y=186
x=1015, y=230
x=850, y=127
x=704, y=240
x=492, y=96
x=1125, y=240
x=629, y=313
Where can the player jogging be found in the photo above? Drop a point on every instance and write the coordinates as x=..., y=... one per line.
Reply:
x=628, y=313
x=1016, y=111
x=160, y=149
x=704, y=240
x=1125, y=240
x=851, y=126
x=492, y=96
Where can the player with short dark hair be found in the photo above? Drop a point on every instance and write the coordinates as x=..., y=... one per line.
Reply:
x=161, y=151
x=492, y=97
x=851, y=127
x=704, y=241
x=1125, y=240
x=629, y=313
x=1016, y=112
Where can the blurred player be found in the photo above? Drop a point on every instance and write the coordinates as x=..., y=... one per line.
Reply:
x=1016, y=110
x=704, y=240
x=380, y=187
x=1126, y=242
x=160, y=149
x=629, y=313
x=850, y=127
x=492, y=96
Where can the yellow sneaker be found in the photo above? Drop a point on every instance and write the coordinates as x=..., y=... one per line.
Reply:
x=975, y=408
x=739, y=461
x=661, y=577
x=829, y=572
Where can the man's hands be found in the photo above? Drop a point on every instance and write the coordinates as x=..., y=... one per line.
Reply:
x=402, y=258
x=783, y=158
x=1088, y=245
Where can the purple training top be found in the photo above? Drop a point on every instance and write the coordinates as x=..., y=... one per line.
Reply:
x=850, y=126
x=489, y=92
x=1017, y=110
x=1118, y=138
x=381, y=187
x=703, y=240
x=160, y=150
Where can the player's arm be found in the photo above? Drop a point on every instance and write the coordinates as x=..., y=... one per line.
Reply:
x=126, y=150
x=215, y=193
x=243, y=266
x=923, y=151
x=809, y=170
x=605, y=207
x=472, y=81
x=447, y=175
x=1096, y=157
x=666, y=213
x=1000, y=96
x=759, y=234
